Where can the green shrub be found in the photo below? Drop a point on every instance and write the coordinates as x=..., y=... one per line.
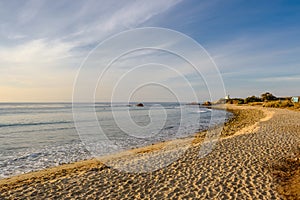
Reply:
x=268, y=97
x=252, y=99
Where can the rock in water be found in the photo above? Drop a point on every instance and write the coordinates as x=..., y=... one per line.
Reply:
x=207, y=103
x=140, y=105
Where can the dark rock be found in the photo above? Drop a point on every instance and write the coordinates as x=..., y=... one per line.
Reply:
x=207, y=103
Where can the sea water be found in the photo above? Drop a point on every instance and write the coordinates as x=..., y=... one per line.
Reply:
x=35, y=136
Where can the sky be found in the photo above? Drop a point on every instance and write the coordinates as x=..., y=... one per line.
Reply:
x=43, y=45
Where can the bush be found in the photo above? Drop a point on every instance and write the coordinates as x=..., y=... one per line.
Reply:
x=279, y=104
x=268, y=97
x=252, y=99
x=235, y=101
x=274, y=104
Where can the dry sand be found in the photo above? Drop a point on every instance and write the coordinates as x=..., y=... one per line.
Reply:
x=237, y=168
x=287, y=175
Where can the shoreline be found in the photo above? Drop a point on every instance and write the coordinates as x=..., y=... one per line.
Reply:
x=239, y=165
x=241, y=119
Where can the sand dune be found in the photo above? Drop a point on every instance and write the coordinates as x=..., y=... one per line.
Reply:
x=237, y=168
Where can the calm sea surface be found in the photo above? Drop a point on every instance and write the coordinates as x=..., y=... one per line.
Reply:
x=34, y=136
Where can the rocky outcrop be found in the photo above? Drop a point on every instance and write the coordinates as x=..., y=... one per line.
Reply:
x=206, y=103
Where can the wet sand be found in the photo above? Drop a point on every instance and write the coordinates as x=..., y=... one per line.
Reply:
x=237, y=168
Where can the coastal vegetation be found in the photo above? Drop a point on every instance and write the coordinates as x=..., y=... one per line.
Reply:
x=266, y=100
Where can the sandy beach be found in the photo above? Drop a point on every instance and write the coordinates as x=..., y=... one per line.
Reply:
x=237, y=168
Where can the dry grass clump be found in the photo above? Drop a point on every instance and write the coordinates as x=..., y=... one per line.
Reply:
x=279, y=104
x=256, y=104
x=297, y=106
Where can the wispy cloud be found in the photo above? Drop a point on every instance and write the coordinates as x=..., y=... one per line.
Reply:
x=281, y=79
x=45, y=41
x=35, y=51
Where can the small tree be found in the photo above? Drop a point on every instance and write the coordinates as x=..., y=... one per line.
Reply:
x=268, y=97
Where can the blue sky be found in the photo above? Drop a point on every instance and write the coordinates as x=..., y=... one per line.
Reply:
x=255, y=44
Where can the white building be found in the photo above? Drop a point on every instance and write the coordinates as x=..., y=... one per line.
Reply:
x=295, y=99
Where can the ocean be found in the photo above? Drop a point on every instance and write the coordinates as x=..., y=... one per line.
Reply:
x=35, y=136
